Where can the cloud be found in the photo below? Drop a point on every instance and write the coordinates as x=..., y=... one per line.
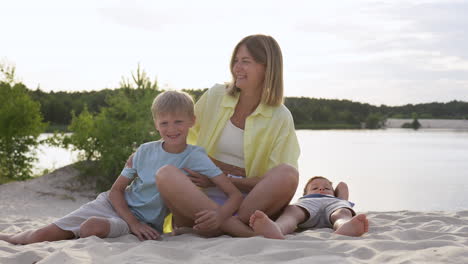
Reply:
x=366, y=50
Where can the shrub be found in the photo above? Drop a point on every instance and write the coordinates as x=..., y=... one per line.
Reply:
x=20, y=126
x=113, y=134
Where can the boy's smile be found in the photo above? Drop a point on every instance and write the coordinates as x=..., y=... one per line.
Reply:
x=173, y=128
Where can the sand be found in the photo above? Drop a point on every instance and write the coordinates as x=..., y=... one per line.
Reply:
x=394, y=237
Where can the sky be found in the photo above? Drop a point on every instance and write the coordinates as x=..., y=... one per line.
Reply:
x=391, y=52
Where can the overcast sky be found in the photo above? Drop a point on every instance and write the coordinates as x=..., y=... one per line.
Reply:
x=380, y=52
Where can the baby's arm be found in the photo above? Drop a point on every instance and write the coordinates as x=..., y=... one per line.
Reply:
x=341, y=191
x=117, y=198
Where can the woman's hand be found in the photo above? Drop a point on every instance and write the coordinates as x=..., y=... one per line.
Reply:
x=228, y=168
x=129, y=163
x=207, y=220
x=144, y=231
x=198, y=179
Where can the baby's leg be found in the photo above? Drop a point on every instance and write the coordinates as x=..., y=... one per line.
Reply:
x=50, y=232
x=285, y=224
x=345, y=224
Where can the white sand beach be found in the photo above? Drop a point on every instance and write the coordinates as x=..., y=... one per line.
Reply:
x=394, y=237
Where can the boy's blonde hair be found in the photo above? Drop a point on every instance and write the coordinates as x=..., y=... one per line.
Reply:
x=314, y=178
x=264, y=50
x=170, y=102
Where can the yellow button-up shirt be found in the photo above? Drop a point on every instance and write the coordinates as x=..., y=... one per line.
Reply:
x=269, y=135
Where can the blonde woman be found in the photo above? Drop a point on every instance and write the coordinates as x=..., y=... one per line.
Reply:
x=249, y=133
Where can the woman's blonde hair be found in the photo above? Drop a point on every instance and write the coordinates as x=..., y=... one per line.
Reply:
x=265, y=50
x=170, y=102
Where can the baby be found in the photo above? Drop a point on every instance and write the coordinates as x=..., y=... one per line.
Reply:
x=319, y=207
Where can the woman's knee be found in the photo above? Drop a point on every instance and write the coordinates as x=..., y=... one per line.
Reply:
x=286, y=175
x=95, y=226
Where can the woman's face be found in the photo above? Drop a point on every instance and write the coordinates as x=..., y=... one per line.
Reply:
x=248, y=73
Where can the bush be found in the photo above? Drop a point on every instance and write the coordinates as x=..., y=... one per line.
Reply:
x=112, y=135
x=374, y=121
x=20, y=126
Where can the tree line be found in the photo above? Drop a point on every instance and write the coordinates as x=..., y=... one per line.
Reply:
x=312, y=113
x=108, y=125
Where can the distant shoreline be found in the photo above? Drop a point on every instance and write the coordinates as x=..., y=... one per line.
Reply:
x=393, y=123
x=429, y=123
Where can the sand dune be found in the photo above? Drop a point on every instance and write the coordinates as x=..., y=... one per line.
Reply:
x=394, y=237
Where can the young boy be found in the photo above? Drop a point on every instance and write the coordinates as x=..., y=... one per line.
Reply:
x=134, y=204
x=318, y=208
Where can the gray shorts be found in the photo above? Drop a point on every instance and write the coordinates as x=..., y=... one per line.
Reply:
x=320, y=210
x=100, y=207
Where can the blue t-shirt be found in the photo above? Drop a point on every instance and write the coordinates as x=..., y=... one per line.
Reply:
x=142, y=195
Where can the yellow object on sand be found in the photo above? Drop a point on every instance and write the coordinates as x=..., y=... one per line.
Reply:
x=167, y=226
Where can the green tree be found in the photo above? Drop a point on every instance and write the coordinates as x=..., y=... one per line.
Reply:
x=414, y=125
x=20, y=126
x=83, y=137
x=374, y=121
x=110, y=136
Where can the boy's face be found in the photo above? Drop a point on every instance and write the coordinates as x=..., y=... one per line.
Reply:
x=173, y=128
x=320, y=186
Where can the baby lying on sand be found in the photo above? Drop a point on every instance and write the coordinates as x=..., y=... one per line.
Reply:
x=318, y=208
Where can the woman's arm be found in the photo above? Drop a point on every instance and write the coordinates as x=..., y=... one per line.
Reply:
x=212, y=219
x=117, y=198
x=228, y=168
x=234, y=196
x=243, y=184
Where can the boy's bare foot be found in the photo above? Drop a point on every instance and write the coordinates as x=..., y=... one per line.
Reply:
x=264, y=226
x=356, y=226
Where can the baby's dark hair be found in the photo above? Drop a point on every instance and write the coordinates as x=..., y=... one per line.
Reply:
x=314, y=178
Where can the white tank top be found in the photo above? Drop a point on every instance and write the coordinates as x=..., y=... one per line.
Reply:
x=230, y=148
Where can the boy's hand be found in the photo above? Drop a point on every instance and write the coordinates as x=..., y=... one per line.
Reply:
x=198, y=179
x=144, y=231
x=207, y=220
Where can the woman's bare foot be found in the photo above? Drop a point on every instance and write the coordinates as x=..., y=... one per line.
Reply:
x=264, y=226
x=356, y=226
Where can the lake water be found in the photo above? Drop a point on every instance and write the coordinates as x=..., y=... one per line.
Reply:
x=51, y=158
x=386, y=170
x=393, y=169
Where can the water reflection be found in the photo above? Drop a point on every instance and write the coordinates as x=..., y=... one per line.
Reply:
x=393, y=169
x=50, y=158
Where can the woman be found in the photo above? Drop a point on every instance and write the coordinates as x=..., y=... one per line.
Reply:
x=249, y=134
